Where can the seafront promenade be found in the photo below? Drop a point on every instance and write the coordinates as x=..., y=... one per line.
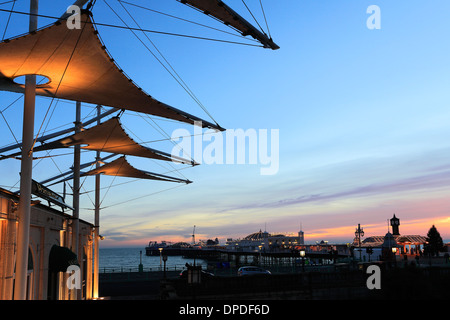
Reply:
x=333, y=281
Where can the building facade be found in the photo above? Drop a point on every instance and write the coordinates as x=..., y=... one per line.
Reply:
x=390, y=245
x=49, y=255
x=265, y=242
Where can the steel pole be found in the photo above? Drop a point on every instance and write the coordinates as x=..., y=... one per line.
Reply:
x=97, y=219
x=56, y=134
x=76, y=191
x=26, y=168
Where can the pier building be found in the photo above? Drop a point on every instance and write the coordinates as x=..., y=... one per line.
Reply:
x=385, y=247
x=265, y=242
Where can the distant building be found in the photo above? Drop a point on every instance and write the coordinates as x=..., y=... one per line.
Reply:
x=265, y=242
x=381, y=247
x=395, y=223
x=208, y=243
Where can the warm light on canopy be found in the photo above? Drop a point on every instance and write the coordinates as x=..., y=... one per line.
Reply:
x=109, y=137
x=121, y=168
x=80, y=69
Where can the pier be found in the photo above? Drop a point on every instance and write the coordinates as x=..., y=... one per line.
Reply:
x=271, y=258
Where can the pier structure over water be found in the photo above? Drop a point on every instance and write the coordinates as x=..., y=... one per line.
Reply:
x=294, y=254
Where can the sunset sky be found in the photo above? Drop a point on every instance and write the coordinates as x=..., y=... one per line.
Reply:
x=363, y=117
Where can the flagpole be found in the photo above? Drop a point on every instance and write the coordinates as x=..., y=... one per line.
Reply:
x=26, y=168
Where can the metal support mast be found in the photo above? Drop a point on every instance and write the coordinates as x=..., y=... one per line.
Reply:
x=76, y=189
x=97, y=218
x=26, y=168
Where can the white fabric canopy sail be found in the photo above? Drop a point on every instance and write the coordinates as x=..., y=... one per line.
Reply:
x=79, y=69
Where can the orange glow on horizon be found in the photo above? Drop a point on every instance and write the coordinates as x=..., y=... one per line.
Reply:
x=341, y=234
x=414, y=227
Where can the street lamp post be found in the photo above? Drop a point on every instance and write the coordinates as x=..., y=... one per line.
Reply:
x=302, y=255
x=141, y=266
x=160, y=257
x=369, y=251
x=358, y=234
x=260, y=248
x=164, y=259
x=394, y=251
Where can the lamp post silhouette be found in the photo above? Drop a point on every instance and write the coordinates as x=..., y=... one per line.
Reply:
x=394, y=252
x=358, y=234
x=164, y=259
x=302, y=255
x=141, y=266
x=160, y=257
x=369, y=251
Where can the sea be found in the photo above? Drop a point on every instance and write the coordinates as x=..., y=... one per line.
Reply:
x=129, y=259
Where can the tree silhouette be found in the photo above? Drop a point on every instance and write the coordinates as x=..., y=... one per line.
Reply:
x=434, y=242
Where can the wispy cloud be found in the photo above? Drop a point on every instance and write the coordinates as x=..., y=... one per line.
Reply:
x=360, y=179
x=424, y=182
x=330, y=200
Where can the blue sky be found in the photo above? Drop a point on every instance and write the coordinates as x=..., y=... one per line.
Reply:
x=363, y=118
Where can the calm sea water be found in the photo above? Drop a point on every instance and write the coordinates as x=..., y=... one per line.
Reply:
x=126, y=258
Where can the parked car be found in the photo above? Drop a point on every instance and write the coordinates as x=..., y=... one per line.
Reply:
x=248, y=271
